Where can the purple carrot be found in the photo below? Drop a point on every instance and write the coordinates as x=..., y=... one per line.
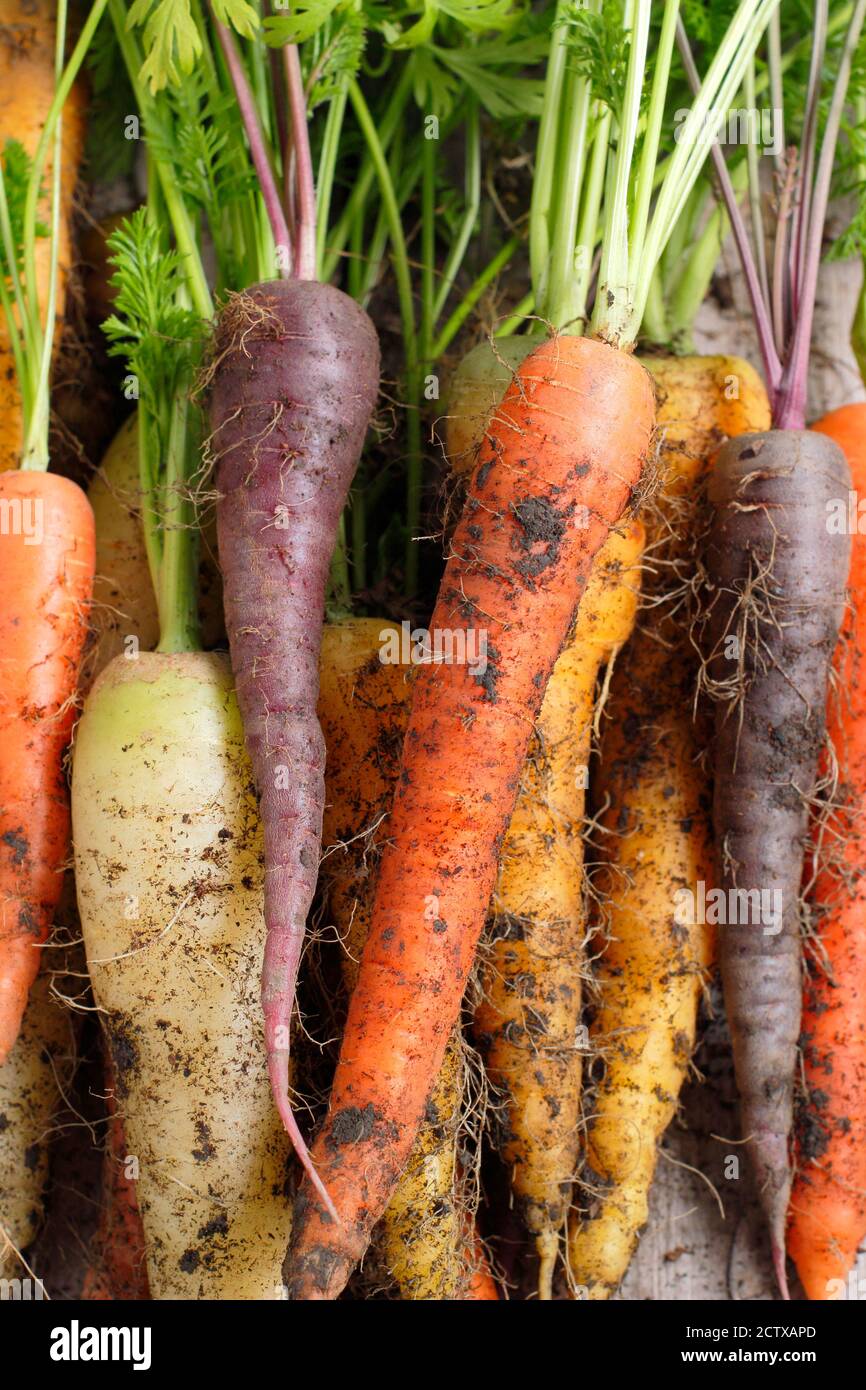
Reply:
x=295, y=382
x=776, y=587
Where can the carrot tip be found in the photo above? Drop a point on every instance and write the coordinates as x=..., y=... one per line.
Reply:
x=781, y=1272
x=290, y=1125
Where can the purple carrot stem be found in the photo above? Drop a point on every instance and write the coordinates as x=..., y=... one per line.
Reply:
x=760, y=312
x=783, y=308
x=803, y=186
x=774, y=64
x=280, y=104
x=789, y=398
x=258, y=149
x=305, y=243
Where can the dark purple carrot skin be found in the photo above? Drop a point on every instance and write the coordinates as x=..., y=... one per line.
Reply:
x=294, y=385
x=769, y=494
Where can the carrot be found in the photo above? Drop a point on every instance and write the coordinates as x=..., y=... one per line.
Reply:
x=516, y=554
x=277, y=527
x=482, y=1286
x=46, y=572
x=31, y=1081
x=779, y=593
x=776, y=591
x=528, y=1018
x=27, y=85
x=119, y=1270
x=828, y=1201
x=529, y=1013
x=656, y=804
x=46, y=575
x=363, y=709
x=170, y=887
x=555, y=473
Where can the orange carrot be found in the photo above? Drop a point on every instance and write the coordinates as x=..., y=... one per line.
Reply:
x=563, y=453
x=46, y=524
x=828, y=1203
x=482, y=1285
x=120, y=1270
x=46, y=574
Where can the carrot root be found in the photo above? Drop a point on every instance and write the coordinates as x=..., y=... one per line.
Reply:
x=558, y=467
x=46, y=578
x=294, y=381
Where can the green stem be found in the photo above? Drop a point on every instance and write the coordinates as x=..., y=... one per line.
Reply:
x=35, y=454
x=360, y=192
x=428, y=246
x=558, y=301
x=513, y=322
x=754, y=181
x=177, y=595
x=407, y=316
x=679, y=238
x=18, y=327
x=472, y=199
x=355, y=265
x=374, y=258
x=543, y=183
x=339, y=588
x=17, y=350
x=655, y=326
x=63, y=87
x=181, y=222
x=148, y=445
x=721, y=82
x=472, y=296
x=587, y=232
x=613, y=315
x=692, y=283
x=652, y=134
x=327, y=170
x=359, y=538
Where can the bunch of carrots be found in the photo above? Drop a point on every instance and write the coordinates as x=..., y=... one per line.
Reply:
x=447, y=672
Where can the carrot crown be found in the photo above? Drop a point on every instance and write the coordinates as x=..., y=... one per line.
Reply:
x=605, y=203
